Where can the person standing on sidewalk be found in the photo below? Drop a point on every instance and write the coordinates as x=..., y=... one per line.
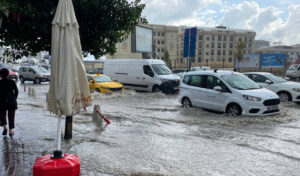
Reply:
x=8, y=101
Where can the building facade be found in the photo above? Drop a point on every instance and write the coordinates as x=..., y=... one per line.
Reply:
x=214, y=46
x=261, y=43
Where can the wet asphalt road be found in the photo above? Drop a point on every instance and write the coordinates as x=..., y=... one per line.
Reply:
x=151, y=134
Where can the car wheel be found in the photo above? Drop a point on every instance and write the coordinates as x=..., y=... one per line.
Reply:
x=98, y=90
x=37, y=81
x=21, y=79
x=234, y=110
x=155, y=88
x=186, y=103
x=284, y=97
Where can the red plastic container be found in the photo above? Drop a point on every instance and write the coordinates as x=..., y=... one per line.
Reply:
x=69, y=165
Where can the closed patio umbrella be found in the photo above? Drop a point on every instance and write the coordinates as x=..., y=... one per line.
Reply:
x=69, y=89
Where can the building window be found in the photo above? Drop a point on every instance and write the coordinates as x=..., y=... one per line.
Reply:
x=250, y=45
x=207, y=46
x=162, y=50
x=199, y=52
x=162, y=34
x=193, y=59
x=218, y=59
x=219, y=37
x=212, y=37
x=224, y=52
x=219, y=52
x=154, y=33
x=199, y=45
x=231, y=38
x=207, y=38
x=158, y=50
x=207, y=53
x=158, y=33
x=230, y=59
x=224, y=45
x=224, y=38
x=154, y=42
x=200, y=37
x=199, y=59
x=231, y=45
x=230, y=52
x=181, y=60
x=212, y=52
x=219, y=45
x=162, y=42
x=212, y=45
x=158, y=41
x=246, y=39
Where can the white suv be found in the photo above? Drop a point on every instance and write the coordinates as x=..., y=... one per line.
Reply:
x=227, y=91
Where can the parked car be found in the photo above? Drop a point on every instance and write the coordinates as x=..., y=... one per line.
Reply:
x=200, y=68
x=286, y=90
x=34, y=73
x=96, y=70
x=179, y=72
x=227, y=91
x=142, y=74
x=103, y=83
x=293, y=72
x=13, y=75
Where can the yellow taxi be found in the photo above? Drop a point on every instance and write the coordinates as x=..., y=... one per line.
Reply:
x=103, y=83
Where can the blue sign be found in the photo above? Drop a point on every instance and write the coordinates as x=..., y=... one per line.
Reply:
x=190, y=37
x=273, y=60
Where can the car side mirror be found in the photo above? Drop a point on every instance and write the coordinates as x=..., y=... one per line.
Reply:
x=268, y=81
x=218, y=88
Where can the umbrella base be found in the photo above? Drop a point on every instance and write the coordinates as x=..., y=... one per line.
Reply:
x=47, y=165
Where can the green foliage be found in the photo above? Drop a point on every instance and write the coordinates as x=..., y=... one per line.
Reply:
x=102, y=23
x=240, y=51
x=166, y=58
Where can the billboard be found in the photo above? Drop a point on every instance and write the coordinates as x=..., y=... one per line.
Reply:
x=273, y=60
x=249, y=61
x=190, y=37
x=141, y=40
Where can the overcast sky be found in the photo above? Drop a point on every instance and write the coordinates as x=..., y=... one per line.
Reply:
x=273, y=20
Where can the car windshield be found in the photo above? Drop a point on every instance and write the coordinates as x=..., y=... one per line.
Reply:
x=240, y=82
x=102, y=78
x=40, y=70
x=161, y=69
x=294, y=67
x=275, y=79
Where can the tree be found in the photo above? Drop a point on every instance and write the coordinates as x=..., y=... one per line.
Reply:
x=240, y=51
x=166, y=58
x=26, y=24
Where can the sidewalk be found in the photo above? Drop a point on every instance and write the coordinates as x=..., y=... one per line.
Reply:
x=34, y=137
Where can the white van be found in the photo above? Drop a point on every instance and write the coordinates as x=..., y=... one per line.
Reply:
x=227, y=91
x=293, y=72
x=140, y=74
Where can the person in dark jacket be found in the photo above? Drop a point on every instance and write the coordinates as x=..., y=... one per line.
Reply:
x=8, y=101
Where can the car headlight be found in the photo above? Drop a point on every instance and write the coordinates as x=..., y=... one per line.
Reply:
x=251, y=98
x=104, y=87
x=296, y=89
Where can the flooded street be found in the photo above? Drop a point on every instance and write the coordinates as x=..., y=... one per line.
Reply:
x=151, y=134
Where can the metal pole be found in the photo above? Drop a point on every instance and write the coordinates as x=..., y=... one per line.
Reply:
x=58, y=146
x=68, y=127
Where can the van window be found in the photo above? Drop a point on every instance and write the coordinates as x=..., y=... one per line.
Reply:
x=161, y=69
x=186, y=79
x=197, y=81
x=148, y=71
x=259, y=78
x=212, y=81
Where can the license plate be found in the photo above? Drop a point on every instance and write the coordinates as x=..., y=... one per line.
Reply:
x=272, y=108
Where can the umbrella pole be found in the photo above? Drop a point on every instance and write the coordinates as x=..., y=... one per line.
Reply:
x=58, y=153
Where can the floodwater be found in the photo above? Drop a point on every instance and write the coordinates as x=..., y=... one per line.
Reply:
x=151, y=134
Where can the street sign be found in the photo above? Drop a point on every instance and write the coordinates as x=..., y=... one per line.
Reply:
x=190, y=37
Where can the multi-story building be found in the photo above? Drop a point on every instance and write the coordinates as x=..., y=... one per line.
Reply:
x=261, y=43
x=215, y=46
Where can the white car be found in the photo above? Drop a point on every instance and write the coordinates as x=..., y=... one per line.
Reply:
x=286, y=90
x=227, y=91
